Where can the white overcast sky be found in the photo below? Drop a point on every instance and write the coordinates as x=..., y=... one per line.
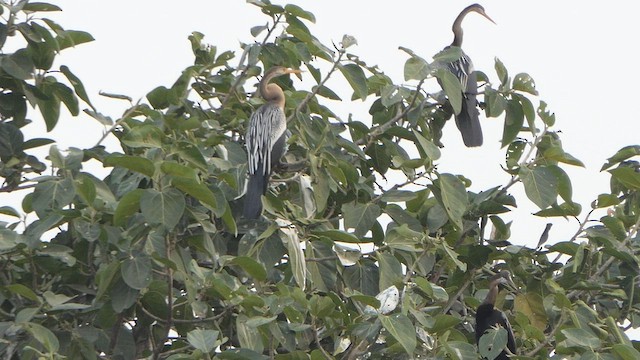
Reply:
x=579, y=55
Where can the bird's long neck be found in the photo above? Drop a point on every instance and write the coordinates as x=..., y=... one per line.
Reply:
x=272, y=93
x=457, y=28
x=492, y=294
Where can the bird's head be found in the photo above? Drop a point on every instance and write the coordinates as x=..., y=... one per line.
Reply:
x=504, y=278
x=279, y=71
x=480, y=10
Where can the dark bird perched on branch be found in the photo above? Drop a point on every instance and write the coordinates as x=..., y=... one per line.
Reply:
x=467, y=120
x=488, y=317
x=265, y=141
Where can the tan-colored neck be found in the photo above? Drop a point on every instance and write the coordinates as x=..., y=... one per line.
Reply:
x=272, y=93
x=493, y=293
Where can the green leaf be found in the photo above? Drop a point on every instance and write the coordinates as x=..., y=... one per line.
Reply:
x=162, y=207
x=203, y=340
x=492, y=342
x=402, y=329
x=524, y=82
x=252, y=267
x=356, y=78
x=540, y=185
x=448, y=55
x=513, y=121
x=547, y=117
x=297, y=11
x=496, y=103
x=52, y=194
x=23, y=291
x=582, y=338
x=501, y=71
x=626, y=352
x=44, y=336
x=429, y=148
x=134, y=163
x=144, y=136
x=136, y=271
x=70, y=38
x=452, y=87
x=416, y=68
x=326, y=92
x=454, y=198
x=200, y=191
x=531, y=304
x=360, y=217
x=77, y=85
x=128, y=205
x=622, y=154
x=627, y=176
x=18, y=65
x=40, y=6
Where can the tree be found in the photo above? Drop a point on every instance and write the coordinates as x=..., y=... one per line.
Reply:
x=152, y=261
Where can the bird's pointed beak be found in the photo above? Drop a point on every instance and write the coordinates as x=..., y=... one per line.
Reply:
x=488, y=18
x=511, y=286
x=294, y=71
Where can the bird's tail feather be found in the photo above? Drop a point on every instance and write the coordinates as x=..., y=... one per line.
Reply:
x=468, y=122
x=253, y=198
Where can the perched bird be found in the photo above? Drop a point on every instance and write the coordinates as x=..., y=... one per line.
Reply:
x=467, y=120
x=265, y=141
x=488, y=317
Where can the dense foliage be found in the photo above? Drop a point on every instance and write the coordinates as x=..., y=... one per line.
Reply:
x=350, y=262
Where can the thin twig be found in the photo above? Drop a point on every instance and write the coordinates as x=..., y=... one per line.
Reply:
x=382, y=128
x=124, y=117
x=319, y=86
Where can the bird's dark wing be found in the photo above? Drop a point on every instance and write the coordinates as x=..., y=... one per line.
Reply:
x=461, y=68
x=488, y=317
x=266, y=127
x=467, y=120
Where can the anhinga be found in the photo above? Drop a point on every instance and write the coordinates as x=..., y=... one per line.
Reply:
x=265, y=141
x=467, y=120
x=489, y=317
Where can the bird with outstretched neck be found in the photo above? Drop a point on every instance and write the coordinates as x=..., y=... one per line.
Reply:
x=487, y=316
x=265, y=141
x=467, y=120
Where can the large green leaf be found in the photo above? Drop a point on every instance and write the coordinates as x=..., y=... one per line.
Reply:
x=133, y=163
x=144, y=136
x=454, y=198
x=136, y=271
x=162, y=207
x=627, y=176
x=360, y=217
x=214, y=199
x=44, y=336
x=452, y=87
x=492, y=342
x=356, y=78
x=127, y=206
x=203, y=340
x=581, y=337
x=513, y=122
x=402, y=329
x=416, y=68
x=540, y=185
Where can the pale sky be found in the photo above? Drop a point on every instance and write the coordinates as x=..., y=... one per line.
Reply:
x=580, y=55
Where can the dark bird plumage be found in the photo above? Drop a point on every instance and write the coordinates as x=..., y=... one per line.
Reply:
x=467, y=120
x=265, y=141
x=487, y=316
